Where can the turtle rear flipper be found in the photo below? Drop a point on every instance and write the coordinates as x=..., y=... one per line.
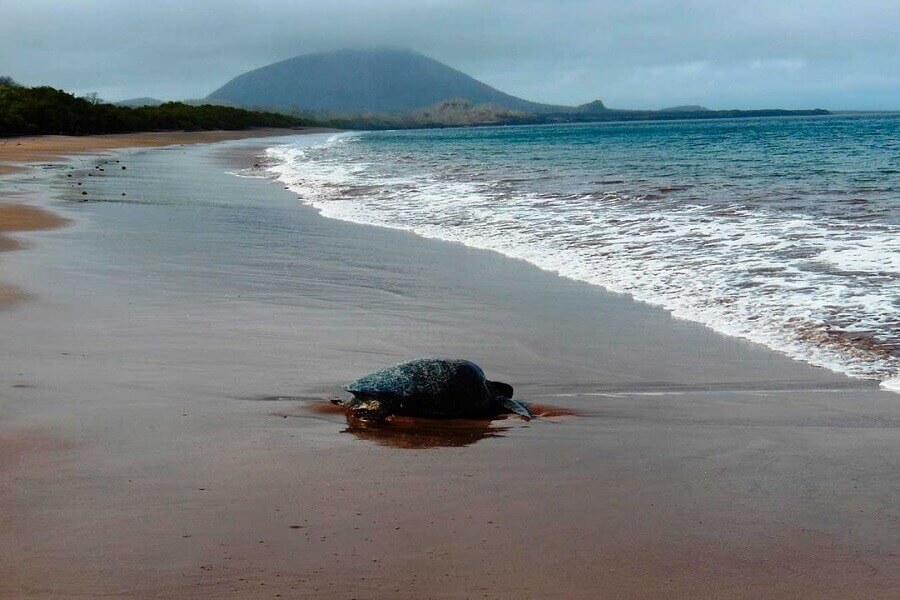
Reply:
x=514, y=406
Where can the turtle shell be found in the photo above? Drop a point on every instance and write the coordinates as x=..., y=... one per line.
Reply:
x=438, y=387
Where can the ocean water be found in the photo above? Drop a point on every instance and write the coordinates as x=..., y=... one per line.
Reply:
x=782, y=231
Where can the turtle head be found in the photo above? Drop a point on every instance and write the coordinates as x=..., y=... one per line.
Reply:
x=498, y=388
x=370, y=408
x=502, y=394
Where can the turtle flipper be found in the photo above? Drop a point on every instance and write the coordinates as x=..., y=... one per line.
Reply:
x=514, y=406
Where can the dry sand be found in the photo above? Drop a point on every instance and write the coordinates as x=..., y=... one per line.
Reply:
x=21, y=217
x=10, y=296
x=16, y=218
x=167, y=434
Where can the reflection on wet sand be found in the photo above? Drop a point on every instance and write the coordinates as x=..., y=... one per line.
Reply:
x=409, y=432
x=419, y=433
x=415, y=433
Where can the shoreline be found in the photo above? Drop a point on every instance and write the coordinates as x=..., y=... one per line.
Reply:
x=182, y=452
x=19, y=154
x=817, y=342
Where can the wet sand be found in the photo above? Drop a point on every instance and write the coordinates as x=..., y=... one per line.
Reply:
x=165, y=419
x=16, y=152
x=17, y=218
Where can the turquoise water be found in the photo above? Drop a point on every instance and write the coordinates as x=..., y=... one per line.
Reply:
x=782, y=231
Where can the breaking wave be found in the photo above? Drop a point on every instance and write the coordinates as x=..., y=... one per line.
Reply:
x=818, y=283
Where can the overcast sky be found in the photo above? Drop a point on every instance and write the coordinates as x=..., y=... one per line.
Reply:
x=631, y=54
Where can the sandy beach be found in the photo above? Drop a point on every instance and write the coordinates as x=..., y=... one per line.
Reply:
x=14, y=152
x=17, y=218
x=166, y=432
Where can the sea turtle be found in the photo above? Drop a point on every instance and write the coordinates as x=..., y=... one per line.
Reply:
x=431, y=387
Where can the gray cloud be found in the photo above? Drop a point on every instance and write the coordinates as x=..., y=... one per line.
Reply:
x=639, y=54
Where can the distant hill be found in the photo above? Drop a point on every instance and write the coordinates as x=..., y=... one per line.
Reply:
x=346, y=82
x=689, y=108
x=461, y=112
x=138, y=102
x=393, y=88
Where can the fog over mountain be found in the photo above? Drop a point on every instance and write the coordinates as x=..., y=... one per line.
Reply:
x=640, y=54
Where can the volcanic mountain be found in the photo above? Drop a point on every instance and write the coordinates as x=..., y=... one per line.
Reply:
x=383, y=80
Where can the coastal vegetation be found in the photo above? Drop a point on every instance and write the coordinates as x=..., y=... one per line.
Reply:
x=46, y=110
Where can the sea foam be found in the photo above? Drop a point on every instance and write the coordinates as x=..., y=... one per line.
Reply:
x=809, y=286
